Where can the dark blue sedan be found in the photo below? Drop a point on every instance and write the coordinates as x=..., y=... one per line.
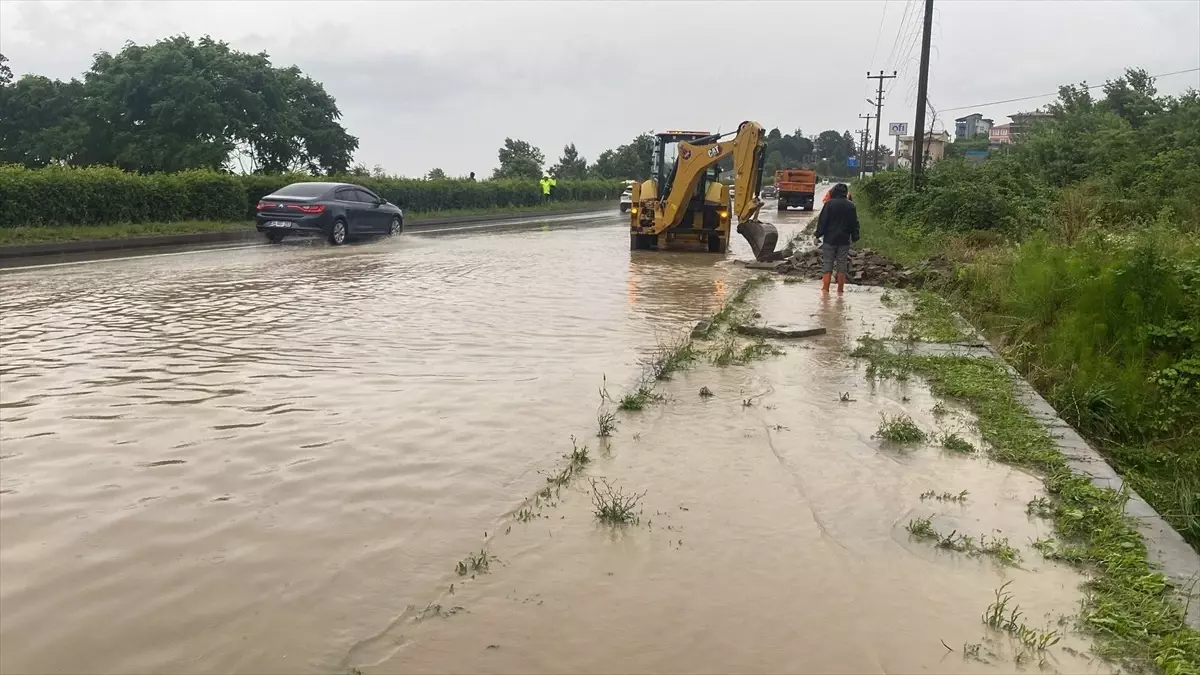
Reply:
x=337, y=211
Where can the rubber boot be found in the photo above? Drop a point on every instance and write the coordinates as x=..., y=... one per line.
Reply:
x=825, y=282
x=841, y=282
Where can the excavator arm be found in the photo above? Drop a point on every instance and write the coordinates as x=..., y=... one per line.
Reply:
x=747, y=148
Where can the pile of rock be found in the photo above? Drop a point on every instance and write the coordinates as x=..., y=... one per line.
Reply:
x=866, y=267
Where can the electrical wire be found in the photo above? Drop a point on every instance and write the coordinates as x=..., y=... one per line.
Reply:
x=1027, y=98
x=878, y=34
x=899, y=30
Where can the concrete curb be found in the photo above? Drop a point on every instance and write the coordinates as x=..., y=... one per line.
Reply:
x=100, y=245
x=1165, y=547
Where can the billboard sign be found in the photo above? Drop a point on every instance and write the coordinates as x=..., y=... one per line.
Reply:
x=851, y=162
x=897, y=128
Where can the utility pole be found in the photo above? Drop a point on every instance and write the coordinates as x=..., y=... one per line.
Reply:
x=866, y=133
x=878, y=112
x=918, y=157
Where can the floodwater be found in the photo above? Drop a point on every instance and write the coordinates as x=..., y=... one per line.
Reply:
x=271, y=459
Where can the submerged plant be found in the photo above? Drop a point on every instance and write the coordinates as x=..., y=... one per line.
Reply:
x=607, y=422
x=614, y=506
x=639, y=399
x=955, y=443
x=578, y=455
x=475, y=563
x=921, y=528
x=899, y=429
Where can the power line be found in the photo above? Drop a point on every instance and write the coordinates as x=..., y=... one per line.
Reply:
x=899, y=30
x=878, y=33
x=1027, y=98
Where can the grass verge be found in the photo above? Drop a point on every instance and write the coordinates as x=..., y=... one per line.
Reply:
x=930, y=320
x=1129, y=606
x=1102, y=324
x=15, y=236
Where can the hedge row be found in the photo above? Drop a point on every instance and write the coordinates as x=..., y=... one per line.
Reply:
x=54, y=196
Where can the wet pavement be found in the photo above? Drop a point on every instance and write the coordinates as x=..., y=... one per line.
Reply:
x=248, y=460
x=270, y=460
x=772, y=538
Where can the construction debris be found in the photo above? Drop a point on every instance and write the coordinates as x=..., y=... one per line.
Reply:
x=780, y=332
x=866, y=267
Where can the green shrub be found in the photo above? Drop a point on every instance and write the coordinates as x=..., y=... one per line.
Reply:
x=65, y=196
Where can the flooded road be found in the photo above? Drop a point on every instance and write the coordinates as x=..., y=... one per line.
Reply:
x=253, y=460
x=772, y=538
x=271, y=459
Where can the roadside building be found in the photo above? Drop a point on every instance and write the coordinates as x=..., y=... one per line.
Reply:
x=971, y=126
x=935, y=148
x=1000, y=135
x=1023, y=121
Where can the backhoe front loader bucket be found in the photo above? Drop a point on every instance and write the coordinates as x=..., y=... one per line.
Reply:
x=762, y=237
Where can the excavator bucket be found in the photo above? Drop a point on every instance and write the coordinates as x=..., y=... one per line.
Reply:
x=762, y=237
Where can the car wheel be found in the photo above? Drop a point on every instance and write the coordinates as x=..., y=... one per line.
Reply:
x=397, y=227
x=337, y=236
x=624, y=208
x=274, y=237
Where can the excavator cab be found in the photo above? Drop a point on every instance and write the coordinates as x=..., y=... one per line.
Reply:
x=685, y=206
x=704, y=222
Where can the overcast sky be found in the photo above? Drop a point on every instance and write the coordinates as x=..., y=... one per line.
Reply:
x=442, y=83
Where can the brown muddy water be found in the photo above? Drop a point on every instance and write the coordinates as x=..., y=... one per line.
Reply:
x=271, y=459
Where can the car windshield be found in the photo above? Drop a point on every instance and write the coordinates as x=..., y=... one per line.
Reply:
x=302, y=190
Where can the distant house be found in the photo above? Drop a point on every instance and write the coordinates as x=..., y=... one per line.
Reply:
x=971, y=126
x=1001, y=134
x=1021, y=122
x=935, y=148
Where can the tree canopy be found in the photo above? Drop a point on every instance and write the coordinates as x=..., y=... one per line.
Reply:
x=177, y=104
x=570, y=165
x=519, y=159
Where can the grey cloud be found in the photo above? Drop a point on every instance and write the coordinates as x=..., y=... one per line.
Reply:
x=426, y=84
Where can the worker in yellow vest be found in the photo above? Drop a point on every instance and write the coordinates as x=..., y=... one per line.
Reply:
x=545, y=183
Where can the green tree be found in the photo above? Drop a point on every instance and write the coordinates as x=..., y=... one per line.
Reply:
x=519, y=159
x=6, y=75
x=1132, y=97
x=40, y=121
x=772, y=163
x=570, y=165
x=179, y=104
x=629, y=161
x=828, y=145
x=435, y=174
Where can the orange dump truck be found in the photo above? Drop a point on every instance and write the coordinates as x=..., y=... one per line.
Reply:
x=797, y=187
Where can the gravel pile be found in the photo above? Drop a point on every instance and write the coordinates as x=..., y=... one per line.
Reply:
x=866, y=267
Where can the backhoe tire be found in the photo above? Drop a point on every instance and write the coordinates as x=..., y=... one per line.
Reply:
x=783, y=206
x=714, y=244
x=643, y=242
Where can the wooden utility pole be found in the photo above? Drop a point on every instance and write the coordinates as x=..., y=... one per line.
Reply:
x=866, y=135
x=878, y=112
x=918, y=158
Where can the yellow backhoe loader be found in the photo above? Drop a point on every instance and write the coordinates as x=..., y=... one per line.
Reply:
x=683, y=205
